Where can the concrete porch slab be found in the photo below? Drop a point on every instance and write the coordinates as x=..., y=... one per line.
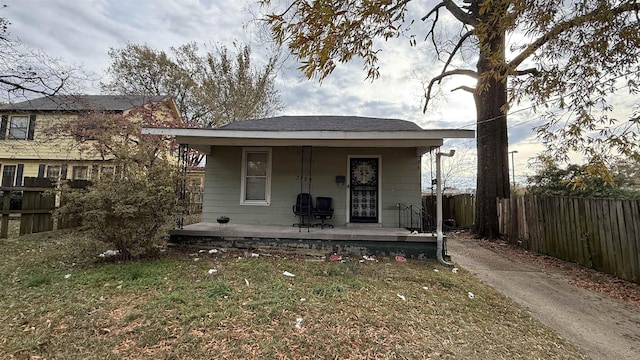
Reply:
x=352, y=240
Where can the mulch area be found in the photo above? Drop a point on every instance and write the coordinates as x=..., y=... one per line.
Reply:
x=579, y=275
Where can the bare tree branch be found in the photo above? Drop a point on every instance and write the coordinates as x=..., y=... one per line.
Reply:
x=462, y=39
x=530, y=71
x=439, y=78
x=465, y=88
x=458, y=13
x=431, y=32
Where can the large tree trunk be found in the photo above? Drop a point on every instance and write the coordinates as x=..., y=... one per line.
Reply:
x=492, y=142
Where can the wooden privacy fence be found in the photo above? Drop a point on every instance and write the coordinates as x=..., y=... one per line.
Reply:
x=603, y=234
x=460, y=207
x=38, y=202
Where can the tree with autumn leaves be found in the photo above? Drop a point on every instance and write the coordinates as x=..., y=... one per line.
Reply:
x=129, y=209
x=564, y=59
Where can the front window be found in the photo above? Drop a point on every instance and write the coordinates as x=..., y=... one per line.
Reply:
x=80, y=173
x=256, y=176
x=18, y=127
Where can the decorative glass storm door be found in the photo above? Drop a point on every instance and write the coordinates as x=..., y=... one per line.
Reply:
x=364, y=190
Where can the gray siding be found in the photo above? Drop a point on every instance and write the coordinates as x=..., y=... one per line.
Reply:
x=400, y=183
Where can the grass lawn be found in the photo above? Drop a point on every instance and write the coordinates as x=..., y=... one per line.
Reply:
x=58, y=300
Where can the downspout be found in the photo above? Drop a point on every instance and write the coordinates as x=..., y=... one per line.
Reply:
x=440, y=236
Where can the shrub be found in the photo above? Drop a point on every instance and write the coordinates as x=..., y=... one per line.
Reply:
x=129, y=211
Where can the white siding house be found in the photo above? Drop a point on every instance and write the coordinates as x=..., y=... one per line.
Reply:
x=255, y=168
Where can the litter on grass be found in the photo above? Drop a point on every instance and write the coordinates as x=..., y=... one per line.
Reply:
x=471, y=296
x=286, y=273
x=400, y=258
x=303, y=299
x=213, y=251
x=454, y=270
x=436, y=270
x=212, y=271
x=68, y=276
x=369, y=258
x=299, y=323
x=109, y=253
x=335, y=257
x=196, y=259
x=254, y=255
x=246, y=282
x=402, y=297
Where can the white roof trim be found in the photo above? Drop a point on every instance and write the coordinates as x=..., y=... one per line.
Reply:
x=212, y=134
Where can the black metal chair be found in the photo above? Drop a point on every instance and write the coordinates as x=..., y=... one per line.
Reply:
x=303, y=208
x=323, y=211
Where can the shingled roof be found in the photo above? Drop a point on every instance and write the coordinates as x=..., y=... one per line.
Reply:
x=322, y=123
x=83, y=103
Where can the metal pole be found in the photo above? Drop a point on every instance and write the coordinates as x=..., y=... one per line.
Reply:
x=439, y=235
x=513, y=167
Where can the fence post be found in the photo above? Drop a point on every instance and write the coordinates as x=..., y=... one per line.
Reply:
x=6, y=204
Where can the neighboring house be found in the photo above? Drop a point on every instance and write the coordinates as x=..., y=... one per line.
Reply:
x=256, y=168
x=29, y=149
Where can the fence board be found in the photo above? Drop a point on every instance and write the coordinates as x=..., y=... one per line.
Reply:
x=614, y=238
x=578, y=234
x=635, y=239
x=629, y=246
x=605, y=237
x=624, y=265
x=603, y=234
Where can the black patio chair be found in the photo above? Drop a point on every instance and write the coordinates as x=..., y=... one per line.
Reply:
x=303, y=208
x=323, y=211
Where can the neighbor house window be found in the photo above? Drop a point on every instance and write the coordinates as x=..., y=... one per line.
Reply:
x=8, y=175
x=53, y=171
x=18, y=127
x=107, y=172
x=80, y=173
x=256, y=176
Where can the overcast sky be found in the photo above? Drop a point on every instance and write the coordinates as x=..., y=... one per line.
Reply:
x=82, y=31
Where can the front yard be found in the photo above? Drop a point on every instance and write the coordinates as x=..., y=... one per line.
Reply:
x=59, y=300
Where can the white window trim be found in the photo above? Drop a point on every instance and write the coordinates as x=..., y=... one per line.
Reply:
x=243, y=178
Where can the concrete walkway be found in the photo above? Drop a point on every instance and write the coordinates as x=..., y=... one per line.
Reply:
x=602, y=327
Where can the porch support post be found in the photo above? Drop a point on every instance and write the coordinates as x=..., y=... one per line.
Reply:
x=440, y=237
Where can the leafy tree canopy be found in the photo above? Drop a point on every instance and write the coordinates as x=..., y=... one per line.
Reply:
x=585, y=181
x=210, y=90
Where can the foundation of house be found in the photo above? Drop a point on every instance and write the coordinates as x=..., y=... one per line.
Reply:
x=357, y=241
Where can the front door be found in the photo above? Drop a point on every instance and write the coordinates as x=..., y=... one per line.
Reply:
x=364, y=190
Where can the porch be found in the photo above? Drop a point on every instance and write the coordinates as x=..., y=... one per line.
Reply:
x=357, y=241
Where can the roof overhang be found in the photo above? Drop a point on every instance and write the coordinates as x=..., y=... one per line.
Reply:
x=204, y=139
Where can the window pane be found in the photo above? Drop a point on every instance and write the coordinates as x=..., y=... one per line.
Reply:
x=255, y=189
x=257, y=164
x=18, y=127
x=80, y=172
x=107, y=172
x=7, y=175
x=53, y=172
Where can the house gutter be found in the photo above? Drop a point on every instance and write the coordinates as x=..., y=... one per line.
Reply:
x=440, y=236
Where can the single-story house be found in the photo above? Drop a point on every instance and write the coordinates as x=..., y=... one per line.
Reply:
x=255, y=170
